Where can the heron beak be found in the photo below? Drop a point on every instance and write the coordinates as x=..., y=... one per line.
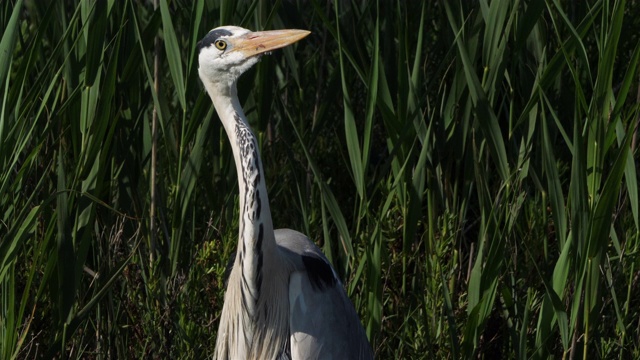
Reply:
x=260, y=42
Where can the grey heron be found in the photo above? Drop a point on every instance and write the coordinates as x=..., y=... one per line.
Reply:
x=283, y=299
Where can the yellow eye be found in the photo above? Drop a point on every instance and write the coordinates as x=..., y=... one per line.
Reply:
x=221, y=45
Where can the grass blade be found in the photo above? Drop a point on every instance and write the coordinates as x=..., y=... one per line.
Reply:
x=173, y=51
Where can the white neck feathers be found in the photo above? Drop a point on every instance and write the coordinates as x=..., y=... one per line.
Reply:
x=256, y=240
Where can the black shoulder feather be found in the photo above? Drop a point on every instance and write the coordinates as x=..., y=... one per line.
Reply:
x=319, y=272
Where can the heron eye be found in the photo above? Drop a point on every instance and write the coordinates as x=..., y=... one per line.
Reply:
x=221, y=45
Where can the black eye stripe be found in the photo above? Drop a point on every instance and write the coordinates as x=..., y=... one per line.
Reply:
x=211, y=37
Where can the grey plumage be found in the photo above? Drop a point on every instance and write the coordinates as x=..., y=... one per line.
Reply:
x=283, y=299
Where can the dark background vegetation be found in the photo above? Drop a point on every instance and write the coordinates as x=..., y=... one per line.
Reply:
x=469, y=167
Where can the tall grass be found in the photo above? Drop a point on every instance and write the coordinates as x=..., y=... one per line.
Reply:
x=470, y=168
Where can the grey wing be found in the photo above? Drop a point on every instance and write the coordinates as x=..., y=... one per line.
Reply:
x=323, y=322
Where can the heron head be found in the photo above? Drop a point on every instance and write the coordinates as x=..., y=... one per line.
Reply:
x=228, y=51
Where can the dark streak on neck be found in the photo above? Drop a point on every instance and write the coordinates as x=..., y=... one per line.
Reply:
x=260, y=253
x=251, y=207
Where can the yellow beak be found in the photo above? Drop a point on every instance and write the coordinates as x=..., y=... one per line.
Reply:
x=259, y=42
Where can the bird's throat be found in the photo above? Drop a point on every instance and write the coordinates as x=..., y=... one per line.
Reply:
x=256, y=239
x=252, y=196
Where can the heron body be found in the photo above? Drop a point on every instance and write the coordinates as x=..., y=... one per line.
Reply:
x=283, y=299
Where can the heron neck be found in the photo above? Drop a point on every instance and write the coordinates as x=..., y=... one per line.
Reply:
x=256, y=228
